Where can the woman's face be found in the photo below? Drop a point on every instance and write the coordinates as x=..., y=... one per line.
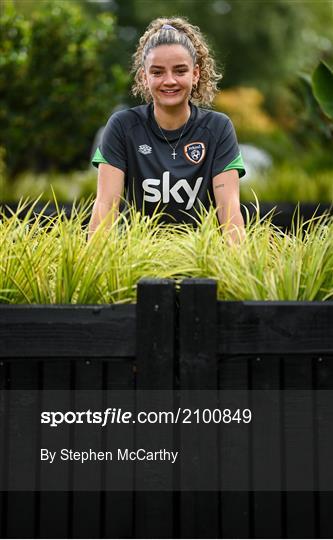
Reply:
x=169, y=75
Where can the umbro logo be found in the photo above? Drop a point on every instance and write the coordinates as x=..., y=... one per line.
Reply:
x=145, y=149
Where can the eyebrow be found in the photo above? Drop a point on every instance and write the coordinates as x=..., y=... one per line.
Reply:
x=162, y=67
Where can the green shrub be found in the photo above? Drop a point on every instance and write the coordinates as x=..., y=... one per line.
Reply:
x=288, y=182
x=67, y=187
x=312, y=110
x=58, y=82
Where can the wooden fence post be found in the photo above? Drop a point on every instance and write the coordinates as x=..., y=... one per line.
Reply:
x=154, y=511
x=199, y=509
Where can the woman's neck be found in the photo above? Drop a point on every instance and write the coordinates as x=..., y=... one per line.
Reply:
x=174, y=119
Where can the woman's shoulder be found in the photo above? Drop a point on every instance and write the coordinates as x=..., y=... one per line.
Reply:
x=213, y=117
x=215, y=121
x=127, y=116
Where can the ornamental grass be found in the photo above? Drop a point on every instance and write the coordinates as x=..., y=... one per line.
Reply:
x=48, y=260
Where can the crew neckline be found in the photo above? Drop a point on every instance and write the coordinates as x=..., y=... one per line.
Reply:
x=171, y=133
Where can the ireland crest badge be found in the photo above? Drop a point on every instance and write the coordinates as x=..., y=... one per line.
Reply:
x=195, y=151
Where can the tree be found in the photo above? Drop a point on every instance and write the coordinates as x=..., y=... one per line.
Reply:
x=58, y=81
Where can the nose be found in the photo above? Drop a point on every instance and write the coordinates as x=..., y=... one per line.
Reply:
x=169, y=78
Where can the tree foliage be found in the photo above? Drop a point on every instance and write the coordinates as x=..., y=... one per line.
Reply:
x=64, y=65
x=58, y=79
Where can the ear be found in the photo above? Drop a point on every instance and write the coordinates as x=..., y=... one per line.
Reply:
x=196, y=73
x=143, y=76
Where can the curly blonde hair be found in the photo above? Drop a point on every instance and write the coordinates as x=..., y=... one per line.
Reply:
x=193, y=40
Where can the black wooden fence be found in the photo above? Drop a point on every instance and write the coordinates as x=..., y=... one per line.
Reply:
x=282, y=215
x=176, y=340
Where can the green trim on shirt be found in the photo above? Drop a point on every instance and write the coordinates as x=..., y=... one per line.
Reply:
x=98, y=158
x=236, y=163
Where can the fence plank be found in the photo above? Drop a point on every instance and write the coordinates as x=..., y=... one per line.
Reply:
x=154, y=516
x=87, y=509
x=298, y=421
x=22, y=509
x=37, y=331
x=235, y=454
x=324, y=384
x=3, y=443
x=272, y=327
x=266, y=448
x=199, y=511
x=56, y=376
x=118, y=506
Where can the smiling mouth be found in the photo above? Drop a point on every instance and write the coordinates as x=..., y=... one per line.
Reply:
x=170, y=92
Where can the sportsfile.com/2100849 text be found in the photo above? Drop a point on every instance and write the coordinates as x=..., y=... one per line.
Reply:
x=119, y=416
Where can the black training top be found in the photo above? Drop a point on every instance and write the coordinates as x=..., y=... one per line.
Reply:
x=133, y=142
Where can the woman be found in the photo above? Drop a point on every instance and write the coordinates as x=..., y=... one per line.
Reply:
x=170, y=152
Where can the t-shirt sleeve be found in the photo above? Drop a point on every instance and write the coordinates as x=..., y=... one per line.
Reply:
x=112, y=149
x=228, y=155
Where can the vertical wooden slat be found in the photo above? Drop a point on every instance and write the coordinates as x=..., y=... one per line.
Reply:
x=323, y=366
x=3, y=445
x=118, y=506
x=86, y=509
x=199, y=510
x=56, y=377
x=22, y=510
x=154, y=516
x=298, y=424
x=235, y=455
x=266, y=455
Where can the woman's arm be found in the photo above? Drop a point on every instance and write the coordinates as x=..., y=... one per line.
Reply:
x=226, y=193
x=110, y=187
